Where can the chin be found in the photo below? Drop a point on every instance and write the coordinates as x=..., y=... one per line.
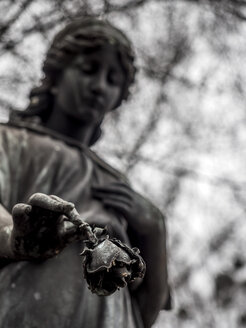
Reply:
x=93, y=115
x=89, y=118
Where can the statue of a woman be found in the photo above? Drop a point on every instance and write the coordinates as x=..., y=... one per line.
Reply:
x=87, y=73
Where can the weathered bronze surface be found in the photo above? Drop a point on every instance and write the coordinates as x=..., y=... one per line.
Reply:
x=47, y=170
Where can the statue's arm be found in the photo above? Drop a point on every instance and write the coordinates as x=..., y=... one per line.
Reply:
x=153, y=294
x=147, y=231
x=6, y=226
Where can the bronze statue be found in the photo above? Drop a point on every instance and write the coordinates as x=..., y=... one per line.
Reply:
x=87, y=73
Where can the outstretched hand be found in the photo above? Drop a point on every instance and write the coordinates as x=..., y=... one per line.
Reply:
x=123, y=199
x=40, y=229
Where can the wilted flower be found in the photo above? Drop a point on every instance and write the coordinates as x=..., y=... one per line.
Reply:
x=109, y=264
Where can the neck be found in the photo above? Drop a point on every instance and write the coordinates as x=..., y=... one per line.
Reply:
x=70, y=127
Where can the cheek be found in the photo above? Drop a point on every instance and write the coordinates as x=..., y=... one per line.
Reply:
x=66, y=88
x=114, y=97
x=63, y=97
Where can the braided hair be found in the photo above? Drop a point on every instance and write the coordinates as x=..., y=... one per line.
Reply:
x=82, y=35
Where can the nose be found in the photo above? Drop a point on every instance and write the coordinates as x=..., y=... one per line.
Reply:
x=99, y=83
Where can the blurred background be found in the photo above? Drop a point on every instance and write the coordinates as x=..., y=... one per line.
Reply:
x=180, y=137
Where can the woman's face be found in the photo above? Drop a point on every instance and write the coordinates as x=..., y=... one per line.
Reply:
x=91, y=85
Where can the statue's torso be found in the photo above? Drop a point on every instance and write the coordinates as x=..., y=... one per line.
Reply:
x=53, y=293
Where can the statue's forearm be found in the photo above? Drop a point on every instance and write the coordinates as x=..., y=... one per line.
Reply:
x=153, y=293
x=6, y=225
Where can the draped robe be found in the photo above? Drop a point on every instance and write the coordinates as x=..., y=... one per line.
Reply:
x=53, y=293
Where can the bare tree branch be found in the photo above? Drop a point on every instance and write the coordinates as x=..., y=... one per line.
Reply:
x=22, y=8
x=146, y=131
x=108, y=7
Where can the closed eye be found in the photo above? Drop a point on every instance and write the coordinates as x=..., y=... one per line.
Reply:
x=87, y=67
x=115, y=77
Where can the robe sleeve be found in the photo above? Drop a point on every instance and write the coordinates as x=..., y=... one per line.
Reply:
x=11, y=150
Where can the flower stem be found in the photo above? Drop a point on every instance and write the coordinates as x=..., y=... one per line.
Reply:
x=84, y=227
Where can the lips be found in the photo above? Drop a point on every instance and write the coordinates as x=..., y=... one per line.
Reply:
x=95, y=103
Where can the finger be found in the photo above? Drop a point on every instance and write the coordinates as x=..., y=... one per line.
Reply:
x=58, y=199
x=68, y=233
x=114, y=197
x=117, y=205
x=21, y=215
x=49, y=203
x=113, y=186
x=67, y=206
x=122, y=185
x=116, y=183
x=102, y=191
